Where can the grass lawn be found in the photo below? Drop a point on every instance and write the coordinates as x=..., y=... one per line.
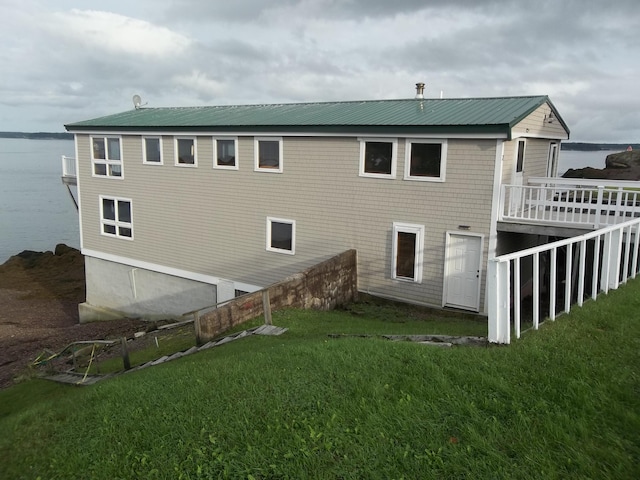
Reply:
x=563, y=402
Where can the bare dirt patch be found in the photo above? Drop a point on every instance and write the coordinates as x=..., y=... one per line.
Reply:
x=39, y=297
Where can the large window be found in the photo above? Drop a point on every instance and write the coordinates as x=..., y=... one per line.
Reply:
x=186, y=153
x=281, y=235
x=268, y=154
x=224, y=153
x=408, y=245
x=152, y=150
x=116, y=218
x=106, y=156
x=378, y=157
x=425, y=160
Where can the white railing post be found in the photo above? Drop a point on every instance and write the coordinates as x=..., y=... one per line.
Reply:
x=599, y=205
x=517, y=294
x=568, y=286
x=552, y=283
x=498, y=329
x=634, y=262
x=501, y=205
x=536, y=290
x=581, y=271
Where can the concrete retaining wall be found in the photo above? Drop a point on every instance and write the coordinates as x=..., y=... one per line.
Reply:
x=323, y=287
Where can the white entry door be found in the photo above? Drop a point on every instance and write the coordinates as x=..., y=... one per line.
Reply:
x=516, y=200
x=463, y=271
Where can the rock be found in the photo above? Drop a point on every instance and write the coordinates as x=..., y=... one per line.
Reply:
x=618, y=166
x=61, y=249
x=628, y=159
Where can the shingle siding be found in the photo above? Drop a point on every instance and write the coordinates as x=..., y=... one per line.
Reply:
x=213, y=221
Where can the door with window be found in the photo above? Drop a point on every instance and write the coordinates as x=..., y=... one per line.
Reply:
x=517, y=194
x=463, y=271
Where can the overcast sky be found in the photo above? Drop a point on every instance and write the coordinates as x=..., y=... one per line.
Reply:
x=69, y=60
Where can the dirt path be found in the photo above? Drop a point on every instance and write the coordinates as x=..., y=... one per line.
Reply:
x=39, y=297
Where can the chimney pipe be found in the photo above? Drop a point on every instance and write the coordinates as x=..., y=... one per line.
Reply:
x=420, y=90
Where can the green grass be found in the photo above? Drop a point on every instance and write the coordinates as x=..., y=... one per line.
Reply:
x=562, y=402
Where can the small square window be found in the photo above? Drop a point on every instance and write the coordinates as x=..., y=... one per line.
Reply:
x=224, y=154
x=186, y=153
x=106, y=156
x=268, y=154
x=378, y=157
x=425, y=160
x=281, y=235
x=152, y=150
x=116, y=218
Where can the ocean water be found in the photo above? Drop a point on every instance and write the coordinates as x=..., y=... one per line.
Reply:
x=576, y=159
x=36, y=211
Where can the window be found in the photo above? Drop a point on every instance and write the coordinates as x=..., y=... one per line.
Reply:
x=281, y=235
x=520, y=159
x=378, y=157
x=268, y=154
x=106, y=156
x=116, y=219
x=224, y=153
x=152, y=150
x=425, y=160
x=408, y=244
x=186, y=152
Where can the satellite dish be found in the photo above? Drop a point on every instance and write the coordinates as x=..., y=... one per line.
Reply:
x=137, y=101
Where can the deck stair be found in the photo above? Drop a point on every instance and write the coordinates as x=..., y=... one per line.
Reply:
x=71, y=377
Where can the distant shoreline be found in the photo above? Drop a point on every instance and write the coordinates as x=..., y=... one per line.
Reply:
x=594, y=147
x=37, y=135
x=580, y=146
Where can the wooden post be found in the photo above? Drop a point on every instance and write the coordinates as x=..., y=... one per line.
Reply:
x=266, y=306
x=125, y=354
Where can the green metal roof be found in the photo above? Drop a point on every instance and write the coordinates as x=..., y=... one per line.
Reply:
x=489, y=115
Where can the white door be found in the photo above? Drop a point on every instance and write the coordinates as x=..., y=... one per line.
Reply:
x=517, y=195
x=462, y=271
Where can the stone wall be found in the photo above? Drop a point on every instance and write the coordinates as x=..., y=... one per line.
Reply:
x=323, y=287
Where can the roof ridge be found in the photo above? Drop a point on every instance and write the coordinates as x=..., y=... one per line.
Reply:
x=341, y=102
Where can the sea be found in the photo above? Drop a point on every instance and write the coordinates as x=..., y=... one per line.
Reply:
x=37, y=213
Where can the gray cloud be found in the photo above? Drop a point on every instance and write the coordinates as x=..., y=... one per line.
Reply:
x=81, y=59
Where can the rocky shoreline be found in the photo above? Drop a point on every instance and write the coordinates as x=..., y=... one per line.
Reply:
x=618, y=166
x=39, y=294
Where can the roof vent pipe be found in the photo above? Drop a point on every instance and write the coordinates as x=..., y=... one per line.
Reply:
x=420, y=91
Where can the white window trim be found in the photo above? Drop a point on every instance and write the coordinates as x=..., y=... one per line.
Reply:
x=394, y=156
x=215, y=153
x=195, y=152
x=293, y=235
x=418, y=230
x=144, y=150
x=116, y=223
x=524, y=155
x=106, y=160
x=443, y=160
x=256, y=154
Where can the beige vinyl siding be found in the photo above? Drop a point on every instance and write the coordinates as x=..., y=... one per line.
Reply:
x=213, y=221
x=534, y=125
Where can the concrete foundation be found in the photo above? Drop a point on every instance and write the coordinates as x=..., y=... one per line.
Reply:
x=115, y=290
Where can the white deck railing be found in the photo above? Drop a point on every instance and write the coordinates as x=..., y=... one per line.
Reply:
x=591, y=203
x=595, y=262
x=68, y=167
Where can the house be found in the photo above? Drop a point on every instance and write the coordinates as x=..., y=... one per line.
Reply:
x=183, y=208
